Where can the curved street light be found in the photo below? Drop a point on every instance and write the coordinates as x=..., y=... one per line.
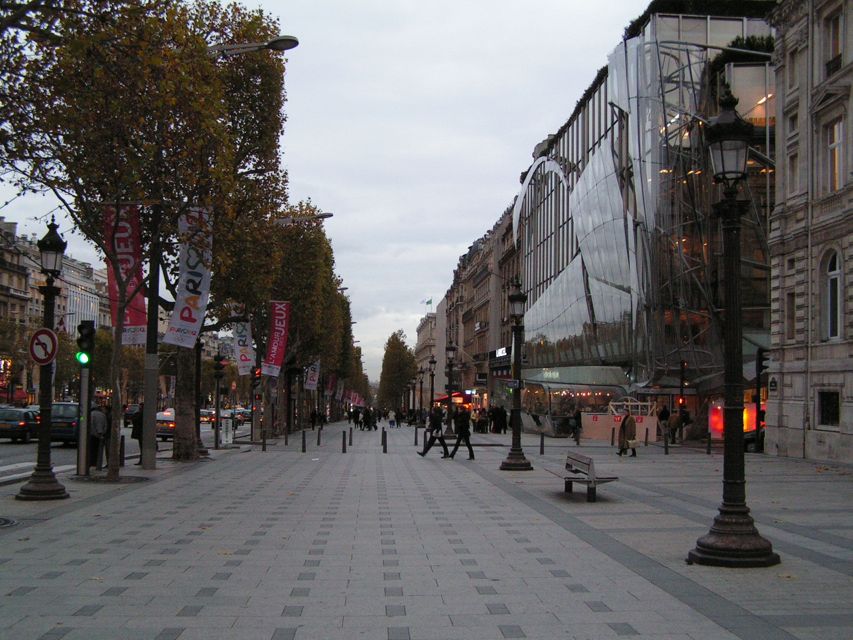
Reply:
x=279, y=43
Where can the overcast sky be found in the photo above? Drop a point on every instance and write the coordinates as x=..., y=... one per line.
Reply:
x=412, y=120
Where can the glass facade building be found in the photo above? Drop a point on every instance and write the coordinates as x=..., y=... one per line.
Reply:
x=620, y=254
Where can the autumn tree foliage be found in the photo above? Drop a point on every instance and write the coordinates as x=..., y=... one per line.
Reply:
x=398, y=369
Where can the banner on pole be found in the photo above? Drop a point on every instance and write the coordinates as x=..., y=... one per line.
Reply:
x=313, y=376
x=340, y=393
x=279, y=325
x=121, y=234
x=193, y=278
x=243, y=349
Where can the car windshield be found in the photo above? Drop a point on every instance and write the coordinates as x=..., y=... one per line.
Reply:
x=64, y=411
x=11, y=414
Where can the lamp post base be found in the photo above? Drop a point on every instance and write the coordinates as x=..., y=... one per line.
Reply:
x=515, y=461
x=42, y=485
x=733, y=541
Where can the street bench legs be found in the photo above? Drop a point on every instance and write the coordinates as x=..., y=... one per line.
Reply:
x=568, y=485
x=590, y=493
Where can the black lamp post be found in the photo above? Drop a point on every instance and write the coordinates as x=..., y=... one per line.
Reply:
x=450, y=352
x=421, y=372
x=733, y=540
x=515, y=460
x=43, y=484
x=432, y=362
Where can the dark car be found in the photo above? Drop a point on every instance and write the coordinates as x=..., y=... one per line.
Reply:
x=18, y=424
x=64, y=422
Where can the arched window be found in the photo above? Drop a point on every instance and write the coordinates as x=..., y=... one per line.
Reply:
x=831, y=303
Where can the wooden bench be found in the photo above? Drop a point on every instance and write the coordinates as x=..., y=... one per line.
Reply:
x=577, y=463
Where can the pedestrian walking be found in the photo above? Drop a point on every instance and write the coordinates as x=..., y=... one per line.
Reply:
x=663, y=420
x=674, y=425
x=435, y=433
x=136, y=431
x=392, y=418
x=98, y=435
x=628, y=434
x=463, y=432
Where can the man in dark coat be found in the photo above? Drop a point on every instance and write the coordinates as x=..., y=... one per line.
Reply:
x=435, y=433
x=463, y=432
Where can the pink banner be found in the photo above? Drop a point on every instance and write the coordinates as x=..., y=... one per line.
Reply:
x=279, y=325
x=121, y=234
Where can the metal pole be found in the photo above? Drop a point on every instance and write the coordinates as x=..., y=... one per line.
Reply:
x=733, y=540
x=43, y=485
x=343, y=441
x=217, y=418
x=202, y=450
x=449, y=429
x=515, y=460
x=83, y=429
x=303, y=441
x=148, y=455
x=542, y=444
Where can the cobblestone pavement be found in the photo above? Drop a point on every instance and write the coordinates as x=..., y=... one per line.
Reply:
x=282, y=545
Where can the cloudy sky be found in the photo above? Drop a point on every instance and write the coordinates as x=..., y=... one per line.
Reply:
x=412, y=120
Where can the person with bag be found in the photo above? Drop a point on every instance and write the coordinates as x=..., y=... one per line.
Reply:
x=628, y=434
x=435, y=433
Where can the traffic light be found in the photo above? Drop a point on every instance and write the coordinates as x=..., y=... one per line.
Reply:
x=761, y=361
x=256, y=376
x=682, y=382
x=218, y=366
x=85, y=342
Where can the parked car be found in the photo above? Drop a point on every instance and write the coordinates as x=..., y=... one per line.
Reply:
x=129, y=412
x=64, y=422
x=205, y=416
x=18, y=424
x=166, y=424
x=243, y=415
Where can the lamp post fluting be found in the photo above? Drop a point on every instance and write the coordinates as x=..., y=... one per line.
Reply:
x=43, y=484
x=450, y=352
x=733, y=540
x=432, y=362
x=515, y=460
x=420, y=394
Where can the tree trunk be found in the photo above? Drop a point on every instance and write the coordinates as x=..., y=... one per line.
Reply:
x=185, y=445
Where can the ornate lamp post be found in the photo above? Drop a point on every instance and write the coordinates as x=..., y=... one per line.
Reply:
x=432, y=362
x=450, y=352
x=421, y=372
x=515, y=460
x=733, y=540
x=43, y=485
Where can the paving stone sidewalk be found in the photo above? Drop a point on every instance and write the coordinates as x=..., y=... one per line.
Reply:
x=282, y=545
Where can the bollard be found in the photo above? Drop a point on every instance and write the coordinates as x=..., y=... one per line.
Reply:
x=350, y=436
x=646, y=443
x=382, y=436
x=121, y=452
x=343, y=441
x=285, y=436
x=666, y=442
x=263, y=437
x=613, y=436
x=708, y=450
x=303, y=441
x=416, y=435
x=319, y=431
x=384, y=441
x=542, y=444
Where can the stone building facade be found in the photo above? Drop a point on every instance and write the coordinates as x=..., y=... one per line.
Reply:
x=810, y=377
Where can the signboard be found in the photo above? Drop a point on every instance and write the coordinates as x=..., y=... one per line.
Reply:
x=43, y=346
x=773, y=385
x=514, y=384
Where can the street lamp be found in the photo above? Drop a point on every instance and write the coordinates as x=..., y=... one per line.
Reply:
x=421, y=372
x=279, y=43
x=515, y=460
x=450, y=352
x=733, y=540
x=432, y=362
x=43, y=484
x=289, y=220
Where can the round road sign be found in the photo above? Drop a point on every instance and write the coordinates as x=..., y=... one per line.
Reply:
x=43, y=346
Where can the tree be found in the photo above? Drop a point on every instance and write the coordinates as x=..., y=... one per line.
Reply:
x=398, y=369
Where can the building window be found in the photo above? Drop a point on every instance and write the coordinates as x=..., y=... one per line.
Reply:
x=793, y=124
x=793, y=178
x=790, y=315
x=833, y=30
x=791, y=74
x=828, y=408
x=831, y=295
x=833, y=134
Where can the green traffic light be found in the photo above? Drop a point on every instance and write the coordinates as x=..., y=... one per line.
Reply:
x=82, y=357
